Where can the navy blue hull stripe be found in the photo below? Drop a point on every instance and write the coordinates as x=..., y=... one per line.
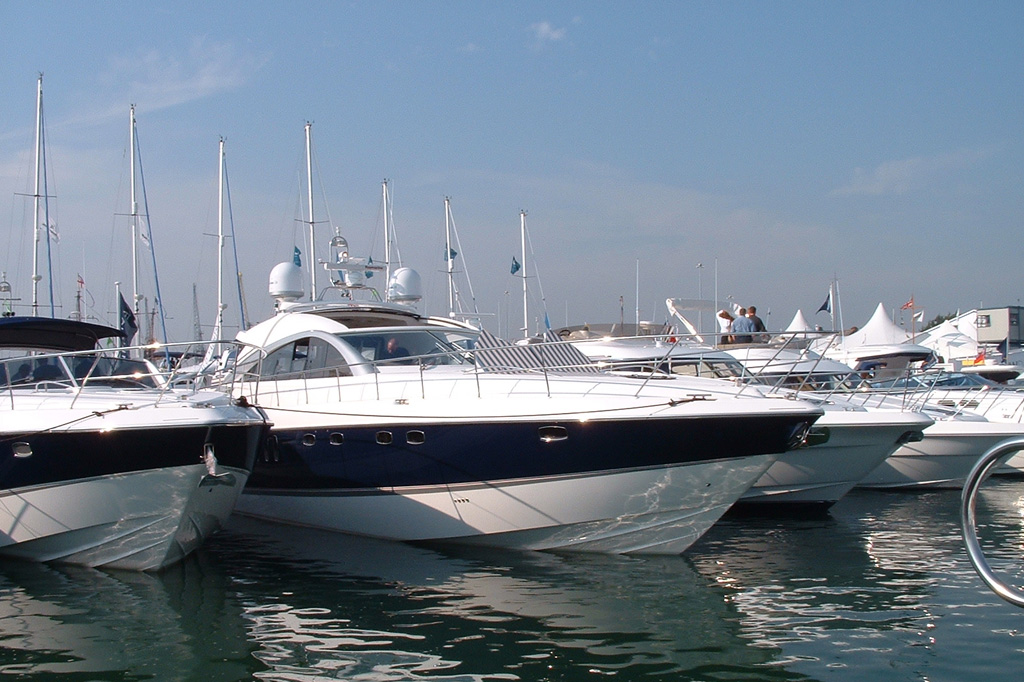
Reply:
x=353, y=458
x=64, y=457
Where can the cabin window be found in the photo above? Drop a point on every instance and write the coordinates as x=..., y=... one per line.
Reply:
x=307, y=358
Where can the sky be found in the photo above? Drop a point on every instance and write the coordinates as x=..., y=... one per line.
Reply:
x=738, y=152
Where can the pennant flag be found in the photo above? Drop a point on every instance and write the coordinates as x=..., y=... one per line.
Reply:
x=515, y=266
x=547, y=322
x=452, y=253
x=127, y=321
x=369, y=273
x=908, y=305
x=919, y=316
x=827, y=305
x=297, y=257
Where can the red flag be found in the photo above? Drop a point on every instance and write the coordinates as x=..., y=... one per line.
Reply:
x=81, y=282
x=908, y=304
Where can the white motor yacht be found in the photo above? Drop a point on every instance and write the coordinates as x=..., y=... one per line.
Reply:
x=844, y=445
x=942, y=458
x=394, y=425
x=103, y=463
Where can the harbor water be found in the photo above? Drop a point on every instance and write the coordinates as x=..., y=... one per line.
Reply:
x=880, y=588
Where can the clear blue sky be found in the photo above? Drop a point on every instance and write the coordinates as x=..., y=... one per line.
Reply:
x=788, y=142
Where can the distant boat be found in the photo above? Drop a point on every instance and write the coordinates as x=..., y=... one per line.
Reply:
x=845, y=444
x=103, y=464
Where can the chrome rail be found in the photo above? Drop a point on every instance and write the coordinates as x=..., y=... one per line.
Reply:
x=982, y=469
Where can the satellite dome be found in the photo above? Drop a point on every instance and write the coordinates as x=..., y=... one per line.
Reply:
x=286, y=282
x=405, y=286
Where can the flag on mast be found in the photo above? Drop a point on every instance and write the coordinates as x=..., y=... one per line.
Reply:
x=827, y=305
x=127, y=320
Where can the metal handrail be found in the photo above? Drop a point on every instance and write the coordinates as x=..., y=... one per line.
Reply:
x=982, y=469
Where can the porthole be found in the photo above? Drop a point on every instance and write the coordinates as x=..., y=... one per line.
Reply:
x=550, y=434
x=336, y=438
x=22, y=449
x=415, y=437
x=309, y=440
x=384, y=438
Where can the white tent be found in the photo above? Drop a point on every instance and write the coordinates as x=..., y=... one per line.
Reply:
x=879, y=330
x=949, y=341
x=799, y=323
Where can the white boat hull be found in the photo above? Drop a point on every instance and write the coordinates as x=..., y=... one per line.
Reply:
x=143, y=520
x=943, y=459
x=819, y=475
x=658, y=511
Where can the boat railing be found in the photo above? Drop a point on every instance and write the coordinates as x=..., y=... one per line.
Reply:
x=163, y=368
x=982, y=469
x=548, y=358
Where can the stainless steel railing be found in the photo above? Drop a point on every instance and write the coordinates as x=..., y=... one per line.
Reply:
x=982, y=469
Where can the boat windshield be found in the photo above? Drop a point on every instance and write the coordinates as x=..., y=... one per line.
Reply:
x=413, y=346
x=74, y=369
x=815, y=381
x=925, y=381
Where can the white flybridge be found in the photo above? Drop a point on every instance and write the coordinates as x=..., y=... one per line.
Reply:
x=391, y=424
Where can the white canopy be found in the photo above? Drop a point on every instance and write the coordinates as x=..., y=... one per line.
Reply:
x=799, y=323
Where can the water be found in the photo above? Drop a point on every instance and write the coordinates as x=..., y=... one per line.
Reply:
x=878, y=589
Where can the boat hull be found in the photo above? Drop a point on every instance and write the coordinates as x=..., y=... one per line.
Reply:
x=943, y=459
x=820, y=475
x=138, y=499
x=659, y=510
x=625, y=486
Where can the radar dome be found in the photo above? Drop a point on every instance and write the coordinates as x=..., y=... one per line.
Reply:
x=405, y=286
x=286, y=282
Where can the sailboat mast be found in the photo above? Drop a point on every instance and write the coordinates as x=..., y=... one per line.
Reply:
x=218, y=324
x=134, y=215
x=387, y=237
x=522, y=235
x=448, y=254
x=309, y=199
x=36, y=194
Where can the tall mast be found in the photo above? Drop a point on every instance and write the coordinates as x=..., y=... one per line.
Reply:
x=522, y=234
x=387, y=237
x=219, y=322
x=448, y=254
x=309, y=198
x=40, y=224
x=35, y=192
x=136, y=296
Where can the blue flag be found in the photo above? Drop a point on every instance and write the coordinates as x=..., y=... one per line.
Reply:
x=369, y=273
x=452, y=253
x=297, y=257
x=515, y=266
x=827, y=305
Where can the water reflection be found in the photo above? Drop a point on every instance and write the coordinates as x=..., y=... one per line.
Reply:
x=353, y=605
x=879, y=589
x=92, y=624
x=882, y=586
